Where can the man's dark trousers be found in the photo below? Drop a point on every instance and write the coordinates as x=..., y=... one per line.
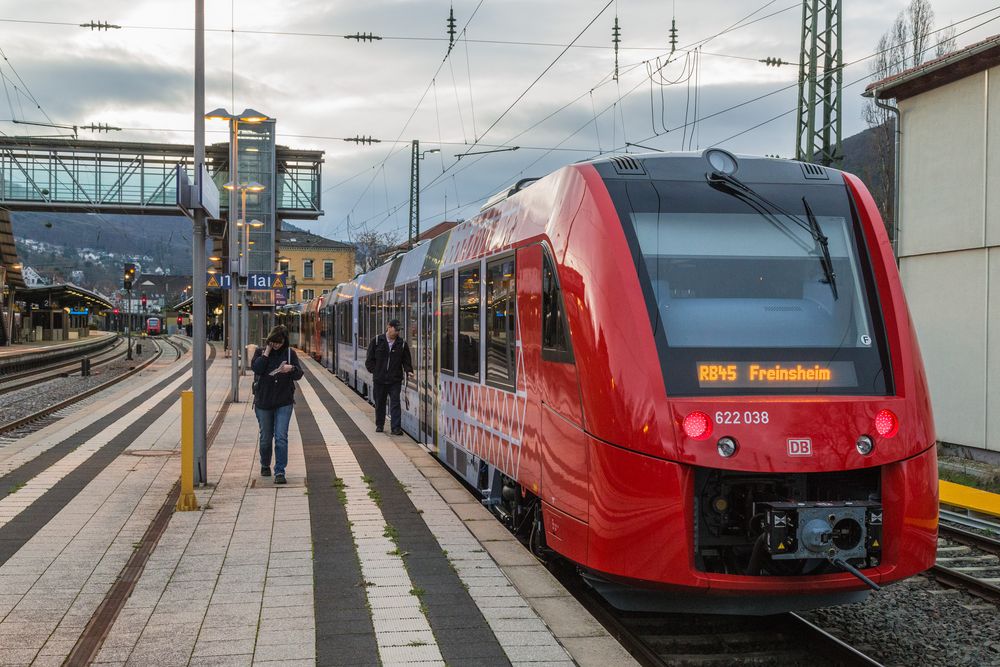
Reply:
x=389, y=391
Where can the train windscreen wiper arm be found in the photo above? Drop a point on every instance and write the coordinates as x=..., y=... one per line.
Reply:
x=824, y=244
x=738, y=187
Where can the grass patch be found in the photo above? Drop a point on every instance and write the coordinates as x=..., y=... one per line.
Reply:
x=398, y=552
x=418, y=592
x=367, y=479
x=417, y=642
x=376, y=498
x=17, y=487
x=391, y=532
x=404, y=487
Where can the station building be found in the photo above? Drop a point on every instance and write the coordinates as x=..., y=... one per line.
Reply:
x=314, y=265
x=949, y=234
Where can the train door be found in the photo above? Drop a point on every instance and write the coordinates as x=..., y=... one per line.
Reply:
x=427, y=364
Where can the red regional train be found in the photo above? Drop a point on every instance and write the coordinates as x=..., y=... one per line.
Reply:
x=694, y=375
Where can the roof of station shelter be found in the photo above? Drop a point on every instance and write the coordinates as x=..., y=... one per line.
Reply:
x=938, y=72
x=8, y=252
x=66, y=294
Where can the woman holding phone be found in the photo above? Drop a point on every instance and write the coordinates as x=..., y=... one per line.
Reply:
x=276, y=368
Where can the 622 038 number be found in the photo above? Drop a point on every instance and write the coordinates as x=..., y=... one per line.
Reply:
x=737, y=417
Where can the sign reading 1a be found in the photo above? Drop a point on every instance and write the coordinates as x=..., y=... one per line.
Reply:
x=265, y=281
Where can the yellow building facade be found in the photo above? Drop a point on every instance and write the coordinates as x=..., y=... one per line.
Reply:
x=313, y=264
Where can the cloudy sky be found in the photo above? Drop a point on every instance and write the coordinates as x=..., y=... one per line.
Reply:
x=290, y=60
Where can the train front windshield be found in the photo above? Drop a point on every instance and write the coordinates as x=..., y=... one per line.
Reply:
x=742, y=296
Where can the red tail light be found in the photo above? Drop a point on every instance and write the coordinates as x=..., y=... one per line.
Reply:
x=886, y=424
x=697, y=426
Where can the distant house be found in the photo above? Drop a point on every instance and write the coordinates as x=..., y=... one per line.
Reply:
x=32, y=278
x=161, y=291
x=949, y=234
x=312, y=263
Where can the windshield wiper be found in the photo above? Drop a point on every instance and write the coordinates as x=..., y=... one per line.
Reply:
x=744, y=191
x=824, y=244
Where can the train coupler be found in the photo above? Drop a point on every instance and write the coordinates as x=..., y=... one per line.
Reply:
x=830, y=530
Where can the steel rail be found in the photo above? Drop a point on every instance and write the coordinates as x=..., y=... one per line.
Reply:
x=970, y=539
x=960, y=580
x=969, y=521
x=45, y=412
x=56, y=370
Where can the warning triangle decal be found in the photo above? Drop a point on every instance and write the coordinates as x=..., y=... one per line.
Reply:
x=781, y=546
x=875, y=544
x=212, y=282
x=278, y=284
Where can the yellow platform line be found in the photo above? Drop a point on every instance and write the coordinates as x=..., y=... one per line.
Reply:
x=977, y=500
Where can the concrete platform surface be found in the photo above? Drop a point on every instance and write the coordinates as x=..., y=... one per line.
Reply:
x=369, y=555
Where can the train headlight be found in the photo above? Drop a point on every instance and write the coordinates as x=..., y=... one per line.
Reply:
x=886, y=423
x=697, y=426
x=726, y=446
x=865, y=445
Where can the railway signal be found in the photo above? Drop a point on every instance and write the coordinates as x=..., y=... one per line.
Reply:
x=128, y=276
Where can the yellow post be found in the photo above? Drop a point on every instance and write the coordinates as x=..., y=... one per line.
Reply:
x=187, y=500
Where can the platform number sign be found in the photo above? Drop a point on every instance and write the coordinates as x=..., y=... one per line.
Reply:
x=260, y=281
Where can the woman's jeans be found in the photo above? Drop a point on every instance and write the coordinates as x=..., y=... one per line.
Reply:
x=274, y=426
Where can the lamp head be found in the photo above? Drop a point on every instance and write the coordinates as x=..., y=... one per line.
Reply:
x=251, y=116
x=218, y=114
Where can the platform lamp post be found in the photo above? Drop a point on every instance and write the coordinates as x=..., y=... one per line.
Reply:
x=252, y=117
x=245, y=268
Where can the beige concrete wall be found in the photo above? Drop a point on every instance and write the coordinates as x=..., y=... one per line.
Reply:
x=943, y=159
x=993, y=352
x=947, y=294
x=993, y=157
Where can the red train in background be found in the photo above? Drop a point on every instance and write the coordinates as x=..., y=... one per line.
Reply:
x=694, y=375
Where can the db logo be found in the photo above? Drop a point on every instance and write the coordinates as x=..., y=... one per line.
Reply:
x=800, y=447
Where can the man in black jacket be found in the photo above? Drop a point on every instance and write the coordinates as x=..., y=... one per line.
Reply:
x=388, y=358
x=276, y=368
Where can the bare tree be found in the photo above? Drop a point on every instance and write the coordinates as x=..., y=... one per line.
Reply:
x=371, y=246
x=906, y=44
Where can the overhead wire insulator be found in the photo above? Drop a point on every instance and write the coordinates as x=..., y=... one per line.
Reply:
x=363, y=37
x=100, y=127
x=773, y=62
x=451, y=28
x=673, y=35
x=100, y=25
x=363, y=140
x=616, y=38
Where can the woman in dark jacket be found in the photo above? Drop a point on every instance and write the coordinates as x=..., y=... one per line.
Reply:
x=276, y=368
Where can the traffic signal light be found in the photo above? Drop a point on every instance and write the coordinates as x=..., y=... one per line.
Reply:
x=129, y=276
x=144, y=300
x=116, y=311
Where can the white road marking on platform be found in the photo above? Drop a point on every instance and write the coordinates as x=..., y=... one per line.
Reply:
x=16, y=502
x=390, y=598
x=489, y=587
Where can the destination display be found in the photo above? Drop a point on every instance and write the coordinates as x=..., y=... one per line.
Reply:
x=752, y=374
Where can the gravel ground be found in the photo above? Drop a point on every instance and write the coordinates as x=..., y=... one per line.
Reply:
x=918, y=622
x=23, y=402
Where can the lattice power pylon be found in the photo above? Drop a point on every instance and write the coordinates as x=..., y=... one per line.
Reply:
x=413, y=233
x=821, y=67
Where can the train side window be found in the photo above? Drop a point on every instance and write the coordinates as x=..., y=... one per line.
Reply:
x=501, y=324
x=411, y=325
x=468, y=322
x=555, y=334
x=399, y=310
x=448, y=324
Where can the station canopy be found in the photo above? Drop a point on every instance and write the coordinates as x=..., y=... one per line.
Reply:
x=66, y=295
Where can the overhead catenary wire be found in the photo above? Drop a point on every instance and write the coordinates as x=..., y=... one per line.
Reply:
x=739, y=24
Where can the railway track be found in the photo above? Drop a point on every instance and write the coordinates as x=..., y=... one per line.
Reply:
x=709, y=640
x=63, y=368
x=42, y=418
x=969, y=561
x=17, y=374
